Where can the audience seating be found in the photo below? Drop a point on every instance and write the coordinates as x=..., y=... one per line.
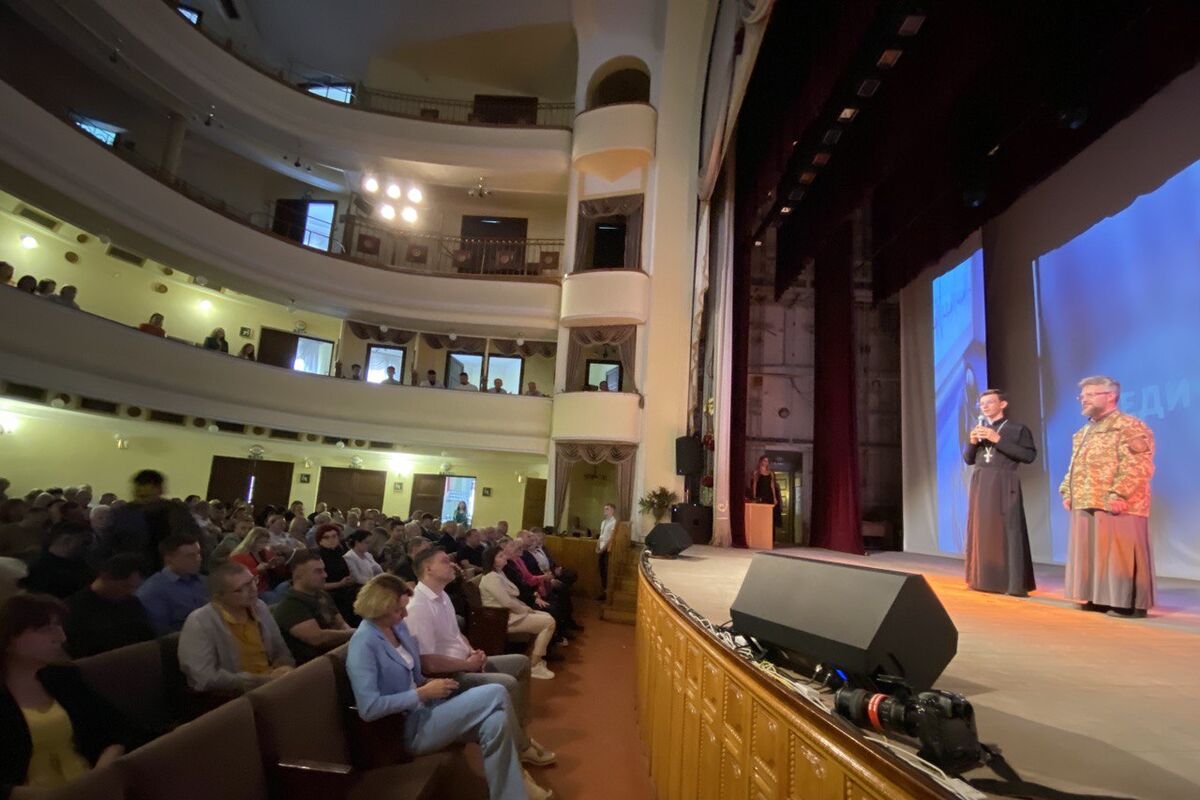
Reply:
x=487, y=628
x=152, y=668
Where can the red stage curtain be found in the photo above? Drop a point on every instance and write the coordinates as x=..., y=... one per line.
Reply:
x=836, y=505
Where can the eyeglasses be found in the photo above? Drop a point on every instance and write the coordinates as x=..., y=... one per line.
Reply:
x=1091, y=396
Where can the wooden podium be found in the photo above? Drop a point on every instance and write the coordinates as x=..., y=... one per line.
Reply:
x=760, y=526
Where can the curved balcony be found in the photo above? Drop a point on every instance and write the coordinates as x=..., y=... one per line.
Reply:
x=51, y=164
x=62, y=350
x=597, y=417
x=605, y=297
x=160, y=45
x=611, y=141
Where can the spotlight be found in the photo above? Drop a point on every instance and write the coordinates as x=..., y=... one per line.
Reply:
x=393, y=191
x=370, y=184
x=415, y=195
x=28, y=242
x=409, y=214
x=387, y=211
x=208, y=121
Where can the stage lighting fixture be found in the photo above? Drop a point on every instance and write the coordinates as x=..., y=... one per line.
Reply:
x=387, y=212
x=371, y=184
x=415, y=195
x=409, y=214
x=393, y=191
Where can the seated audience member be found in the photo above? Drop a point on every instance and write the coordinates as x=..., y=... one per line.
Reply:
x=602, y=386
x=356, y=372
x=470, y=551
x=319, y=508
x=443, y=648
x=280, y=541
x=404, y=567
x=232, y=644
x=534, y=588
x=27, y=283
x=431, y=381
x=296, y=509
x=247, y=352
x=216, y=341
x=66, y=297
x=498, y=591
x=12, y=572
x=108, y=498
x=537, y=556
x=532, y=391
x=107, y=614
x=318, y=521
x=298, y=531
x=255, y=554
x=139, y=526
x=62, y=569
x=502, y=530
x=100, y=520
x=391, y=379
x=384, y=667
x=338, y=581
x=498, y=387
x=464, y=383
x=362, y=564
x=154, y=327
x=227, y=543
x=6, y=273
x=46, y=287
x=56, y=728
x=175, y=591
x=307, y=615
x=23, y=539
x=376, y=539
x=448, y=540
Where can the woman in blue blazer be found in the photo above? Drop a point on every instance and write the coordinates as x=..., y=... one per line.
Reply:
x=384, y=666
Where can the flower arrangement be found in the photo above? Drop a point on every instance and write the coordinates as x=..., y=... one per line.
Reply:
x=658, y=502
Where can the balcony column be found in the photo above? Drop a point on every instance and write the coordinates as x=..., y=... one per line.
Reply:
x=173, y=147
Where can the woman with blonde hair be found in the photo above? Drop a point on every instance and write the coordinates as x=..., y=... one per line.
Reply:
x=498, y=591
x=255, y=554
x=384, y=666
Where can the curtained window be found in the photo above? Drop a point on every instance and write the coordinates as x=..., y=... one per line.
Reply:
x=568, y=453
x=609, y=233
x=618, y=340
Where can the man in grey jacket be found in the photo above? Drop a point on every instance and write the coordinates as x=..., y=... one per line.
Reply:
x=233, y=643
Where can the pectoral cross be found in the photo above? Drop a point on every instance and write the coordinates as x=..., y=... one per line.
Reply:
x=987, y=454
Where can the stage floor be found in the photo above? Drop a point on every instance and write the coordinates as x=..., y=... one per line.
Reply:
x=1079, y=701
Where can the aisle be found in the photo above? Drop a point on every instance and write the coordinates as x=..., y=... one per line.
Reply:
x=587, y=716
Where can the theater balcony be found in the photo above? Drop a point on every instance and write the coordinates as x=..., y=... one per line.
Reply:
x=506, y=291
x=343, y=123
x=613, y=140
x=85, y=361
x=597, y=417
x=605, y=297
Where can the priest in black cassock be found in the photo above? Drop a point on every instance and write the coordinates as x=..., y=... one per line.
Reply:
x=998, y=558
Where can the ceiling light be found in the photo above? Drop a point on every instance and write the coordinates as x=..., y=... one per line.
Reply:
x=409, y=214
x=911, y=24
x=393, y=191
x=821, y=159
x=387, y=212
x=807, y=177
x=415, y=195
x=785, y=210
x=889, y=57
x=206, y=305
x=28, y=242
x=370, y=184
x=796, y=195
x=848, y=113
x=758, y=242
x=832, y=136
x=520, y=342
x=868, y=87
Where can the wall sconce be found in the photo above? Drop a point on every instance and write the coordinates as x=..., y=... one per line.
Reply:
x=356, y=462
x=256, y=452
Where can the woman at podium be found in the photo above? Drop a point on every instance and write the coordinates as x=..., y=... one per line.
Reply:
x=763, y=488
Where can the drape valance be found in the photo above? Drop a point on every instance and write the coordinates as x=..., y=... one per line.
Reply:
x=628, y=206
x=509, y=347
x=621, y=337
x=465, y=344
x=377, y=333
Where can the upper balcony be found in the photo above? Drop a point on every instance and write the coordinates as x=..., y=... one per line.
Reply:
x=55, y=166
x=517, y=143
x=121, y=366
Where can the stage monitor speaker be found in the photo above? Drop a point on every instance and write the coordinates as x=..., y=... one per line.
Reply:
x=689, y=456
x=667, y=539
x=695, y=519
x=869, y=622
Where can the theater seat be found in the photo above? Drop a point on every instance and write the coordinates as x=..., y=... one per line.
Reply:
x=106, y=783
x=136, y=680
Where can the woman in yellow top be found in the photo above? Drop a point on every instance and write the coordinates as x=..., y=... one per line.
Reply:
x=56, y=728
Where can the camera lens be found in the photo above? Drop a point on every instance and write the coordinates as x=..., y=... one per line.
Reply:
x=869, y=709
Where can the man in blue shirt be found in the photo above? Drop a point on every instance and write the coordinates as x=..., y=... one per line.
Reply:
x=177, y=590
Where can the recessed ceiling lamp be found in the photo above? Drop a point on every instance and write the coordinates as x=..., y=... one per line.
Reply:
x=758, y=242
x=370, y=184
x=832, y=136
x=393, y=191
x=911, y=24
x=28, y=242
x=807, y=177
x=847, y=114
x=869, y=87
x=415, y=195
x=387, y=211
x=409, y=214
x=820, y=159
x=889, y=57
x=785, y=210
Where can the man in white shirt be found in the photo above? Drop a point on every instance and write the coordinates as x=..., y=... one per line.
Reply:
x=607, y=526
x=444, y=650
x=391, y=379
x=430, y=382
x=464, y=383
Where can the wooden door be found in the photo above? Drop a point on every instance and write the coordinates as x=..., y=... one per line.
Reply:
x=427, y=494
x=534, y=514
x=261, y=482
x=341, y=487
x=277, y=348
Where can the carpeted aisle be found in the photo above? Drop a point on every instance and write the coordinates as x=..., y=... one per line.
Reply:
x=587, y=716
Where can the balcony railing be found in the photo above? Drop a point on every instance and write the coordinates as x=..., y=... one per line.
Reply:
x=487, y=110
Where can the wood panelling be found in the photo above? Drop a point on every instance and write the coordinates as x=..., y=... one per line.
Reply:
x=716, y=729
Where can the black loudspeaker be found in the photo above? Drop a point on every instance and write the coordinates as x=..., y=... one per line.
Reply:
x=869, y=622
x=689, y=456
x=695, y=519
x=667, y=539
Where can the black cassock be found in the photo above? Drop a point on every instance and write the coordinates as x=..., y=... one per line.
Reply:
x=998, y=558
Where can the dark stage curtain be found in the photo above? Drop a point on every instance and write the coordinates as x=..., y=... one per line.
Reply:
x=836, y=511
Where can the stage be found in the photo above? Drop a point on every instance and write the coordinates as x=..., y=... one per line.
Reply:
x=1082, y=702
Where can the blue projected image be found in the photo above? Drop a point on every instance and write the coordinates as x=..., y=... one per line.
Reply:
x=1123, y=299
x=959, y=375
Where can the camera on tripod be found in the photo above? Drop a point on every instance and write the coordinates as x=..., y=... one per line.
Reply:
x=943, y=722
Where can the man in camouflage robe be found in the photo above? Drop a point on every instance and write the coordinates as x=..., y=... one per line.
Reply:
x=1107, y=491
